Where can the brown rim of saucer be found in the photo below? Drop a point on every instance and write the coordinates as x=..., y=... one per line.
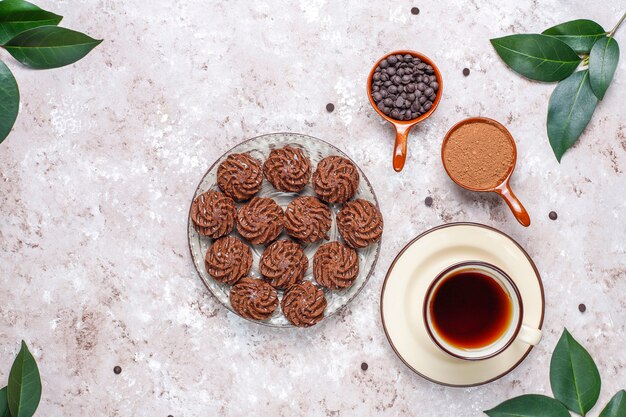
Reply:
x=189, y=223
x=440, y=276
x=443, y=226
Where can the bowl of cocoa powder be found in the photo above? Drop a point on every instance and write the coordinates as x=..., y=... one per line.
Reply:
x=479, y=154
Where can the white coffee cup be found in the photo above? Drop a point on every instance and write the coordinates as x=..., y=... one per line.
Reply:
x=515, y=330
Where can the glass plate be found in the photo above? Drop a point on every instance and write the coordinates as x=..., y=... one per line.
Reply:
x=260, y=148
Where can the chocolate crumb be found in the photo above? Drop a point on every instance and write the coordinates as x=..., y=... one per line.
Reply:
x=466, y=71
x=552, y=215
x=364, y=366
x=117, y=370
x=415, y=10
x=330, y=107
x=428, y=201
x=582, y=308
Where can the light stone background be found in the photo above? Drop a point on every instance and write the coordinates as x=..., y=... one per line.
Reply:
x=97, y=177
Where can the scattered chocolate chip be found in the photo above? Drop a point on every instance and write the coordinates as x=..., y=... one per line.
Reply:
x=415, y=10
x=364, y=366
x=330, y=107
x=117, y=370
x=428, y=201
x=466, y=71
x=582, y=308
x=552, y=215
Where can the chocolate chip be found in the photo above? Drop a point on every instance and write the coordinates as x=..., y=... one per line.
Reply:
x=364, y=366
x=405, y=81
x=552, y=215
x=582, y=308
x=117, y=370
x=330, y=107
x=466, y=71
x=428, y=201
x=415, y=10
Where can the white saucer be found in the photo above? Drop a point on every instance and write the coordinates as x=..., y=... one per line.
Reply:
x=414, y=269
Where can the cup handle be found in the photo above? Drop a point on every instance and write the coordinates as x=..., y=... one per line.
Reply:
x=399, y=150
x=529, y=335
x=514, y=204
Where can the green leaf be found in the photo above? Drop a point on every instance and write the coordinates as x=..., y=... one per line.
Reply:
x=24, y=390
x=579, y=34
x=4, y=405
x=9, y=101
x=616, y=407
x=574, y=377
x=571, y=106
x=538, y=57
x=529, y=406
x=16, y=16
x=50, y=47
x=602, y=64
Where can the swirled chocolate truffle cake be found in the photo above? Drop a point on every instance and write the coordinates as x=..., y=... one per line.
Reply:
x=303, y=304
x=260, y=221
x=253, y=298
x=288, y=169
x=283, y=264
x=336, y=179
x=307, y=219
x=228, y=259
x=335, y=266
x=213, y=214
x=360, y=223
x=240, y=176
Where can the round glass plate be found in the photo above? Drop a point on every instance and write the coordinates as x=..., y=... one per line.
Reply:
x=260, y=148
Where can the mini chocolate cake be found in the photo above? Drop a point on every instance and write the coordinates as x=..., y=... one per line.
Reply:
x=303, y=304
x=260, y=221
x=213, y=214
x=335, y=266
x=307, y=219
x=360, y=223
x=253, y=298
x=228, y=259
x=288, y=169
x=336, y=179
x=240, y=176
x=283, y=264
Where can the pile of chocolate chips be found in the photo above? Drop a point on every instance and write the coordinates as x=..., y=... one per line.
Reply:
x=404, y=87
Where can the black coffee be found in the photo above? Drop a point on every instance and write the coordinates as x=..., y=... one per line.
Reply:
x=470, y=310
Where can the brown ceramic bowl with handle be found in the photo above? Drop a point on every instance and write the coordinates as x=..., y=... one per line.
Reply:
x=403, y=127
x=503, y=189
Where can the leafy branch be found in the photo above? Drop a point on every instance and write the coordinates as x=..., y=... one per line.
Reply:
x=575, y=383
x=554, y=55
x=31, y=35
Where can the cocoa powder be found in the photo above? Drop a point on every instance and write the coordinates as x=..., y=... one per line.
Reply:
x=478, y=155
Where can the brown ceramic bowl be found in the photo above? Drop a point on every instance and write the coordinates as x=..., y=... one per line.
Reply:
x=503, y=189
x=403, y=127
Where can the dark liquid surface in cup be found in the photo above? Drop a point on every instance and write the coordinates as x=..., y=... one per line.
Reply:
x=470, y=310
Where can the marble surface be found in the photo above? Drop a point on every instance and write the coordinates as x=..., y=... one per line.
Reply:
x=97, y=176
